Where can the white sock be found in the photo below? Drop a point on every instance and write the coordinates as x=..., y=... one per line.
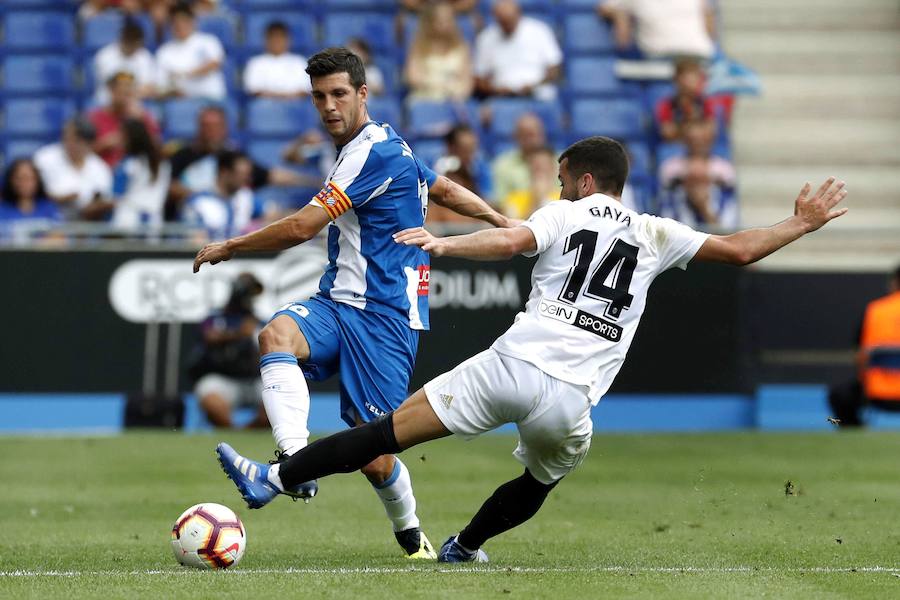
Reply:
x=286, y=398
x=397, y=496
x=274, y=477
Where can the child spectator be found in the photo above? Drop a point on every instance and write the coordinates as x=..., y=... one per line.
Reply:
x=190, y=64
x=439, y=63
x=689, y=104
x=277, y=73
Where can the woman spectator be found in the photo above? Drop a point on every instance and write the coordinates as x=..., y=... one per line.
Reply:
x=439, y=64
x=24, y=203
x=141, y=181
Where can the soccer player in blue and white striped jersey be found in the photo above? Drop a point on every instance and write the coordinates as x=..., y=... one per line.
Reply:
x=373, y=297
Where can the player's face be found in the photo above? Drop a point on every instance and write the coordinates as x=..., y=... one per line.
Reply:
x=341, y=107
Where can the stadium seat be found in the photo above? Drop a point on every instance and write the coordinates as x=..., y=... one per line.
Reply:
x=36, y=117
x=506, y=111
x=37, y=74
x=101, y=30
x=267, y=152
x=23, y=148
x=429, y=150
x=329, y=5
x=528, y=6
x=640, y=159
x=578, y=5
x=253, y=5
x=618, y=119
x=221, y=26
x=587, y=34
x=180, y=116
x=668, y=150
x=376, y=28
x=593, y=76
x=428, y=119
x=39, y=31
x=386, y=109
x=304, y=34
x=268, y=117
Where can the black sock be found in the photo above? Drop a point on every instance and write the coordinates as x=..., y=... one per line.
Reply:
x=342, y=452
x=512, y=504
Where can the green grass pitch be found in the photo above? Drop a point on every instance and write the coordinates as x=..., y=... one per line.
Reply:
x=645, y=516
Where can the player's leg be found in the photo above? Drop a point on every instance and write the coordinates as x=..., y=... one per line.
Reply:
x=553, y=439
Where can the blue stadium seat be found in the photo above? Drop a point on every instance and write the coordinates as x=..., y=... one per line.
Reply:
x=428, y=119
x=376, y=28
x=528, y=6
x=267, y=152
x=269, y=117
x=23, y=148
x=506, y=111
x=36, y=117
x=221, y=26
x=587, y=34
x=429, y=150
x=180, y=116
x=31, y=31
x=252, y=5
x=37, y=74
x=593, y=76
x=302, y=26
x=101, y=30
x=640, y=159
x=578, y=5
x=668, y=150
x=619, y=119
x=329, y=5
x=386, y=109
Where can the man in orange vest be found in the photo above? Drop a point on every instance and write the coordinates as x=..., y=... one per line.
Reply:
x=878, y=361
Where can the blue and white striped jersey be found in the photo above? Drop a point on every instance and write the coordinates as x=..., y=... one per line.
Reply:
x=376, y=188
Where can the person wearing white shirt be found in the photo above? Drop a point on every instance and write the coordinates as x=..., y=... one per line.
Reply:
x=140, y=181
x=75, y=177
x=127, y=55
x=663, y=28
x=516, y=56
x=277, y=73
x=191, y=63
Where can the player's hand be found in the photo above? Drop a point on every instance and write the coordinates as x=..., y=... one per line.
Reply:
x=213, y=253
x=418, y=236
x=816, y=211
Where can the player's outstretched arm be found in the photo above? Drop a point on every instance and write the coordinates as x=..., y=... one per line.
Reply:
x=488, y=244
x=464, y=202
x=285, y=233
x=750, y=245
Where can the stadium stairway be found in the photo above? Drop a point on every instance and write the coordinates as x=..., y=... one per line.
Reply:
x=831, y=105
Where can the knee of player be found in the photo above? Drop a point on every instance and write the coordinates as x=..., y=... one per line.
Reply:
x=379, y=469
x=274, y=338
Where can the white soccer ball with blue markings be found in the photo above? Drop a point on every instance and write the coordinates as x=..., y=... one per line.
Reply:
x=208, y=536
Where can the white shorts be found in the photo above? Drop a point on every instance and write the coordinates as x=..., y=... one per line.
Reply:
x=235, y=391
x=491, y=389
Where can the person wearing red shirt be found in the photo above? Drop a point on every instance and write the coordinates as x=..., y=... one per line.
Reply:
x=123, y=104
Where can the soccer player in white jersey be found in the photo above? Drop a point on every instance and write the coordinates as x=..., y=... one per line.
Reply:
x=373, y=297
x=589, y=287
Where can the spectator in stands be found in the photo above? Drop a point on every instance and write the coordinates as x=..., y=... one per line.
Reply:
x=462, y=164
x=516, y=56
x=459, y=6
x=374, y=76
x=24, y=200
x=123, y=104
x=141, y=181
x=663, y=28
x=311, y=149
x=877, y=383
x=698, y=188
x=128, y=55
x=230, y=208
x=689, y=104
x=194, y=164
x=226, y=366
x=277, y=73
x=510, y=170
x=190, y=64
x=439, y=63
x=542, y=186
x=76, y=178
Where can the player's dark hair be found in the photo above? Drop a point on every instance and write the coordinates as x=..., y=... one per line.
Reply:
x=9, y=193
x=457, y=131
x=227, y=159
x=337, y=60
x=181, y=8
x=604, y=158
x=131, y=31
x=139, y=143
x=277, y=27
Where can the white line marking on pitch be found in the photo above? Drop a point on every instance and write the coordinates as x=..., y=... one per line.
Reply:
x=395, y=570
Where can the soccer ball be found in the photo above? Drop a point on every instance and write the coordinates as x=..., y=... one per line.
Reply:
x=208, y=536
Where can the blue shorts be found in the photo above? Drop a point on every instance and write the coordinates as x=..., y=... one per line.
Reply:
x=373, y=353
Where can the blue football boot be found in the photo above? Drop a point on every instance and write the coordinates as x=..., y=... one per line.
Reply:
x=303, y=491
x=452, y=552
x=251, y=478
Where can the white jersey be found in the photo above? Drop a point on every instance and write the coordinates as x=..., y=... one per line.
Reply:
x=589, y=287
